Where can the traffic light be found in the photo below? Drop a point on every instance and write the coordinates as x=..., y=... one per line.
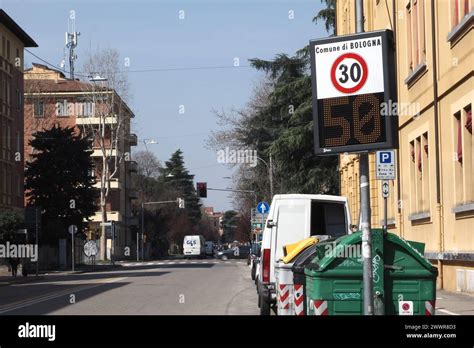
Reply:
x=202, y=189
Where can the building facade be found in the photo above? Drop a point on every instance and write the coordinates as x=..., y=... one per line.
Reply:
x=432, y=199
x=13, y=41
x=51, y=99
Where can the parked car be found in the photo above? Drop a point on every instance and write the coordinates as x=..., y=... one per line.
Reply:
x=291, y=218
x=253, y=258
x=237, y=252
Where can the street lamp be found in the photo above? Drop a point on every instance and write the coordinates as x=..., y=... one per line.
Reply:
x=149, y=142
x=270, y=172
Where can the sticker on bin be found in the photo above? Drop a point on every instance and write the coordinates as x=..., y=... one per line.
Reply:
x=405, y=308
x=429, y=307
x=298, y=299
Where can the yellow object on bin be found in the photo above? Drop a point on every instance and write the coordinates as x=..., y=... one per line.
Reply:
x=293, y=250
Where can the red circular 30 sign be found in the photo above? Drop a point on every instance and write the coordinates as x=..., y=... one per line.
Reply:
x=349, y=73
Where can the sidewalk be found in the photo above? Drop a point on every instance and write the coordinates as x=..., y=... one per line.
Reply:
x=7, y=279
x=454, y=303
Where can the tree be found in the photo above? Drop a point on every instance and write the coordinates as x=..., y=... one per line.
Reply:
x=177, y=176
x=9, y=224
x=108, y=134
x=148, y=164
x=59, y=180
x=327, y=15
x=230, y=221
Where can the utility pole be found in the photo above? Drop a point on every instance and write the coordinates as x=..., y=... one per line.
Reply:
x=365, y=200
x=270, y=169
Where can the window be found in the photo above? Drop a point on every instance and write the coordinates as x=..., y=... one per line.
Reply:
x=420, y=174
x=416, y=48
x=459, y=9
x=38, y=109
x=8, y=50
x=18, y=99
x=409, y=39
x=18, y=187
x=463, y=155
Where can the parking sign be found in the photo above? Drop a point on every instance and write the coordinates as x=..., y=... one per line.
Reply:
x=385, y=165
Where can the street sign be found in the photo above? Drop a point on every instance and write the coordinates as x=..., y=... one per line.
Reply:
x=72, y=229
x=385, y=189
x=353, y=80
x=90, y=248
x=385, y=168
x=257, y=225
x=405, y=307
x=263, y=207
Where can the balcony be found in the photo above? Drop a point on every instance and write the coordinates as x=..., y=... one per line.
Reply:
x=133, y=166
x=109, y=152
x=133, y=139
x=84, y=120
x=114, y=184
x=111, y=216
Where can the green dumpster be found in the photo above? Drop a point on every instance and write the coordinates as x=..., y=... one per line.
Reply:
x=404, y=282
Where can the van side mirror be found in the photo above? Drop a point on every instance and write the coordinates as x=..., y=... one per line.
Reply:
x=271, y=223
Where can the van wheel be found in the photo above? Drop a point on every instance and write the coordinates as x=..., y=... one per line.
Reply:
x=264, y=306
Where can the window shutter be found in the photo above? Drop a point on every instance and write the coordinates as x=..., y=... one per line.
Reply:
x=469, y=121
x=459, y=141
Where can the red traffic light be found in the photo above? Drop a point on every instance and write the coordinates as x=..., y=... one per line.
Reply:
x=202, y=189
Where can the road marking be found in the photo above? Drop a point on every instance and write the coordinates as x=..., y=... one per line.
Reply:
x=447, y=312
x=29, y=302
x=171, y=263
x=150, y=264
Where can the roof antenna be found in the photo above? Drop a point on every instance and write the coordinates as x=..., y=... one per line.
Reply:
x=71, y=41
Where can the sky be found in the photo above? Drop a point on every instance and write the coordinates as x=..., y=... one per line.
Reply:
x=152, y=34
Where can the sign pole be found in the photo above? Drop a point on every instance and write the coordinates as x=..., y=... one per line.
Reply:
x=72, y=239
x=365, y=201
x=36, y=237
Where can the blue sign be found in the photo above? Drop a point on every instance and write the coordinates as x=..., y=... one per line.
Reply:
x=263, y=207
x=385, y=157
x=385, y=166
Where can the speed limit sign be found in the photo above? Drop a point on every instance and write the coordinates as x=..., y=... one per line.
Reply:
x=349, y=73
x=353, y=80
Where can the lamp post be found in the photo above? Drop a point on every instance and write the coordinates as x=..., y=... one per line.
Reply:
x=269, y=166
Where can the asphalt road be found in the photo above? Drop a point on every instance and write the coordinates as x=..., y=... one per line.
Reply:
x=179, y=287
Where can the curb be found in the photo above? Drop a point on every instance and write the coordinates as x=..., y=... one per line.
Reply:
x=22, y=280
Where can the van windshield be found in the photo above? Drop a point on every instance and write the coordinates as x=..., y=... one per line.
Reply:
x=328, y=218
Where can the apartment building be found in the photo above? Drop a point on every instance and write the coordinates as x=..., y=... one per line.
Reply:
x=52, y=99
x=214, y=219
x=432, y=200
x=13, y=41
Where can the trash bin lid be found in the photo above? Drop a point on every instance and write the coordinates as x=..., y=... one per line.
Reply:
x=398, y=253
x=305, y=257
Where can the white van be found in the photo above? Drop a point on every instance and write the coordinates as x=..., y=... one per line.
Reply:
x=194, y=246
x=293, y=217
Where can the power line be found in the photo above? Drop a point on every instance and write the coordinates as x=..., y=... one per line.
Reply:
x=149, y=70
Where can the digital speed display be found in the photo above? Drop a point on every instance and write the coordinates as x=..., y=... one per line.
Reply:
x=352, y=77
x=351, y=120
